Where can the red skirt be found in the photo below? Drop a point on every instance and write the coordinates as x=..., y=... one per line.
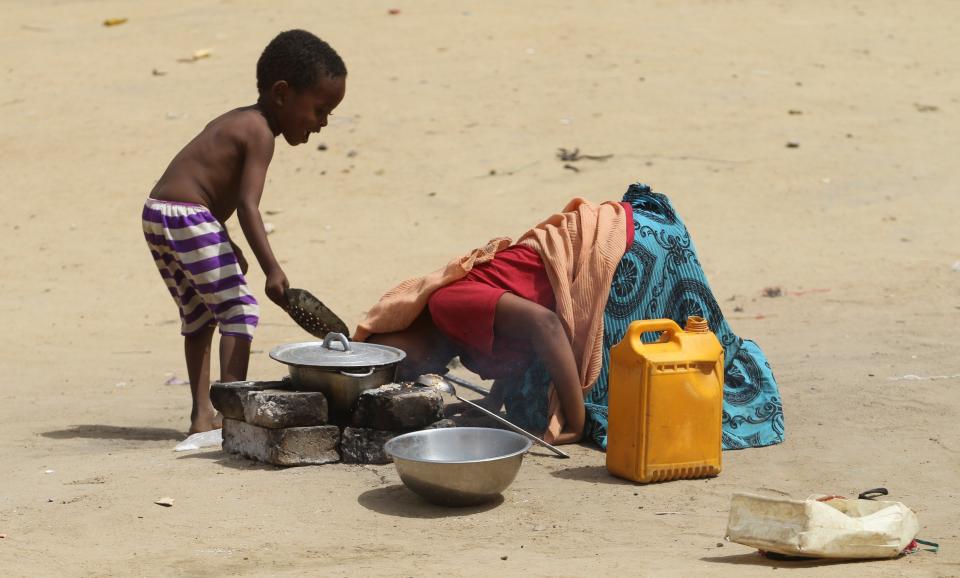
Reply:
x=464, y=310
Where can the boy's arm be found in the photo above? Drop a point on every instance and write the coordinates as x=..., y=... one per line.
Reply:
x=258, y=151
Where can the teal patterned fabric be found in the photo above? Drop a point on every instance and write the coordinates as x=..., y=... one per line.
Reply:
x=660, y=277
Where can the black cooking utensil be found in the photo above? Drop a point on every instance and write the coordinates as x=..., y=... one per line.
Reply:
x=311, y=314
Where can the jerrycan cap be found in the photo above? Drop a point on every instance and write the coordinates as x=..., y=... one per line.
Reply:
x=696, y=324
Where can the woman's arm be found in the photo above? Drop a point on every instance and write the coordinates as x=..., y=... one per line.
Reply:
x=523, y=319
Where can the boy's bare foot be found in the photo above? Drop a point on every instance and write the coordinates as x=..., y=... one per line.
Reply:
x=205, y=421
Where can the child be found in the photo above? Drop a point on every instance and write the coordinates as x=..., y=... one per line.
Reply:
x=301, y=79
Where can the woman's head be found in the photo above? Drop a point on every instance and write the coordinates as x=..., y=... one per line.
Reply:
x=427, y=349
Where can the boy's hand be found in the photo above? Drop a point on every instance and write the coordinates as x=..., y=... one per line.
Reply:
x=276, y=288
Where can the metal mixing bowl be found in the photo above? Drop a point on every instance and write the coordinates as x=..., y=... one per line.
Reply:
x=460, y=466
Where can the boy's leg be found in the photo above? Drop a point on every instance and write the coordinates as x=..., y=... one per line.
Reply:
x=234, y=357
x=196, y=348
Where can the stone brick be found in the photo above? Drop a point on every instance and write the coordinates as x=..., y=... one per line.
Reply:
x=442, y=424
x=360, y=445
x=277, y=408
x=227, y=397
x=294, y=446
x=398, y=407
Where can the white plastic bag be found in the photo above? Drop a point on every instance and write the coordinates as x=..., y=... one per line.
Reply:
x=835, y=528
x=204, y=439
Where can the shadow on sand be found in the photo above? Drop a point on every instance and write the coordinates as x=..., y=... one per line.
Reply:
x=397, y=500
x=113, y=432
x=758, y=559
x=228, y=460
x=592, y=474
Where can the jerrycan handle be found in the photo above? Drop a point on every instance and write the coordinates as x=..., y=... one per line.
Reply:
x=637, y=328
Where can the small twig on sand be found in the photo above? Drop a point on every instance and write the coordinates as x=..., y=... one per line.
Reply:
x=574, y=156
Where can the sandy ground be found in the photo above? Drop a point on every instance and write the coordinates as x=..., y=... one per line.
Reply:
x=447, y=136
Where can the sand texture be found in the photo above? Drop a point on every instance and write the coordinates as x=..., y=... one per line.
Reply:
x=448, y=136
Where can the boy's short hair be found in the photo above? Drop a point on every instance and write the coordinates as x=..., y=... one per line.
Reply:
x=298, y=57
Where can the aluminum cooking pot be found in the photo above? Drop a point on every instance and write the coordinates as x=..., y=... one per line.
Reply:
x=339, y=368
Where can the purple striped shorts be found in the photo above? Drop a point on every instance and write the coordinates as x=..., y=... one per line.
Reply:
x=197, y=262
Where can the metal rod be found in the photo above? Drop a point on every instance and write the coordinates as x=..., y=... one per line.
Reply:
x=515, y=428
x=467, y=384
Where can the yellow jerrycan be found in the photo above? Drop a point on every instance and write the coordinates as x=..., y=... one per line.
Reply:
x=665, y=403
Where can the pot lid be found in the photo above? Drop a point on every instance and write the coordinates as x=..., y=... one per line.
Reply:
x=336, y=351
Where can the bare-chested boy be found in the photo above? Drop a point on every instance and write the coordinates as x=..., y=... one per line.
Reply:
x=301, y=79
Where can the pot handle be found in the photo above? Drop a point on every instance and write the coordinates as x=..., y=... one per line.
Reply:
x=334, y=336
x=348, y=374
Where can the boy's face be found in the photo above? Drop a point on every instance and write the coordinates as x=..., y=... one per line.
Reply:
x=301, y=112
